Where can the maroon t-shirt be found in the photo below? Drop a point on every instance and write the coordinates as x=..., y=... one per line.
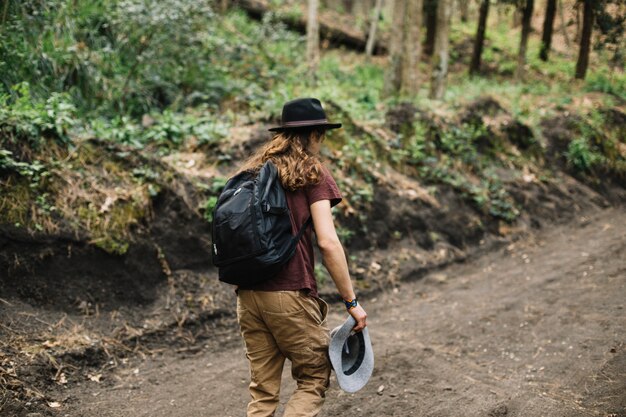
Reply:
x=298, y=273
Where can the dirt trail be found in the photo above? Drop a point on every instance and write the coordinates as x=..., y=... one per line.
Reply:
x=534, y=329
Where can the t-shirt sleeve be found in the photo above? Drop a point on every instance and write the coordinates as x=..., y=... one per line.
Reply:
x=326, y=189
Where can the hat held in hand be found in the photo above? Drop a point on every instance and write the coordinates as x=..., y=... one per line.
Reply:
x=304, y=113
x=351, y=356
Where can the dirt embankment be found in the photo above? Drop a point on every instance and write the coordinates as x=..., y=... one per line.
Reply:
x=72, y=312
x=437, y=216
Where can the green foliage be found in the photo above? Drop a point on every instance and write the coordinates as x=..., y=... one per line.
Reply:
x=321, y=274
x=460, y=141
x=146, y=175
x=167, y=130
x=218, y=184
x=489, y=195
x=130, y=57
x=48, y=44
x=112, y=246
x=215, y=188
x=417, y=151
x=161, y=76
x=111, y=231
x=26, y=119
x=345, y=235
x=580, y=156
x=603, y=82
x=597, y=148
x=25, y=195
x=160, y=52
x=209, y=206
x=501, y=204
x=357, y=87
x=358, y=156
x=126, y=55
x=34, y=171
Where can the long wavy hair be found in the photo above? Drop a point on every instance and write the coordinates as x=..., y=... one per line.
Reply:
x=289, y=151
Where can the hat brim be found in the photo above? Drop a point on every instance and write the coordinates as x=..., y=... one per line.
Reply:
x=300, y=127
x=357, y=379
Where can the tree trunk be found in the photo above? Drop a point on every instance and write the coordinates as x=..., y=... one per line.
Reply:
x=393, y=76
x=517, y=17
x=578, y=19
x=502, y=13
x=523, y=45
x=223, y=6
x=412, y=46
x=464, y=9
x=564, y=24
x=585, y=40
x=348, y=6
x=480, y=37
x=440, y=56
x=371, y=38
x=312, y=41
x=430, y=10
x=548, y=25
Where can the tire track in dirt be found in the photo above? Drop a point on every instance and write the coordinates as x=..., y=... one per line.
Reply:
x=534, y=329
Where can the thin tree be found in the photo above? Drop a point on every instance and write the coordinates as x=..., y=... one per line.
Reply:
x=412, y=46
x=563, y=24
x=223, y=6
x=430, y=11
x=312, y=41
x=480, y=37
x=393, y=76
x=371, y=38
x=464, y=9
x=517, y=17
x=585, y=39
x=548, y=25
x=523, y=45
x=441, y=55
x=577, y=8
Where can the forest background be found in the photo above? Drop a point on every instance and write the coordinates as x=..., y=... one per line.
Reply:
x=176, y=75
x=466, y=124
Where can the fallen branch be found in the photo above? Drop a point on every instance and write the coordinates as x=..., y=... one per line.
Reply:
x=329, y=27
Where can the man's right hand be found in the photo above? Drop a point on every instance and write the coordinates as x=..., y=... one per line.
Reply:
x=360, y=316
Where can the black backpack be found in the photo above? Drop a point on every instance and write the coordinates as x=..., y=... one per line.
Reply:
x=252, y=237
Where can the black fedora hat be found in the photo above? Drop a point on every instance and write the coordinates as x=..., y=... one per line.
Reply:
x=303, y=113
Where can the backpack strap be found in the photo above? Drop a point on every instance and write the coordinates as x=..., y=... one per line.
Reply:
x=306, y=224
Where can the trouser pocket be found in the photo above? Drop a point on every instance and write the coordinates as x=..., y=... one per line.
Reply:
x=316, y=308
x=323, y=306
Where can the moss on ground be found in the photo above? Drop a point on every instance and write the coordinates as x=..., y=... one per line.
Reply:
x=87, y=192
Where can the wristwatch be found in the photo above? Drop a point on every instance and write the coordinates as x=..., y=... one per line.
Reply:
x=350, y=304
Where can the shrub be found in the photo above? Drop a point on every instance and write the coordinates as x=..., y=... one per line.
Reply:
x=605, y=83
x=167, y=130
x=24, y=118
x=580, y=156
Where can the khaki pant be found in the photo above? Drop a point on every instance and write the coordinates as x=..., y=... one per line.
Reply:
x=285, y=324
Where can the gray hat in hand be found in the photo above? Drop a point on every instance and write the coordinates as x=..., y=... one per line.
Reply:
x=351, y=356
